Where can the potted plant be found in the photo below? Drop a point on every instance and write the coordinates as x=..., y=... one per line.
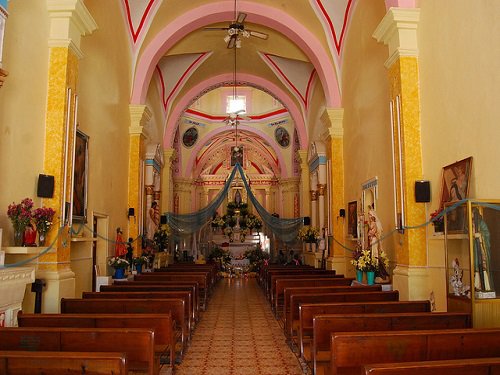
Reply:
x=138, y=262
x=43, y=217
x=20, y=216
x=119, y=264
x=160, y=238
x=366, y=262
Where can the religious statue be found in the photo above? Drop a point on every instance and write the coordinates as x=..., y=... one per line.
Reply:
x=120, y=249
x=152, y=221
x=459, y=289
x=482, y=275
x=374, y=233
x=237, y=198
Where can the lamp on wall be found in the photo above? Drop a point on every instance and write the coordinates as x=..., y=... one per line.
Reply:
x=131, y=213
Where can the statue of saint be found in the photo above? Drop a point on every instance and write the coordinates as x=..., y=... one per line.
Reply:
x=237, y=198
x=374, y=232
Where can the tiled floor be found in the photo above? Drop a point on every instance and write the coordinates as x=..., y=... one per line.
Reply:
x=238, y=335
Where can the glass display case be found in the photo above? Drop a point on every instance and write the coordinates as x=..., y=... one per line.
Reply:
x=472, y=243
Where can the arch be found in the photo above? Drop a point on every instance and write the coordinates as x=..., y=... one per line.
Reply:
x=201, y=143
x=222, y=11
x=259, y=82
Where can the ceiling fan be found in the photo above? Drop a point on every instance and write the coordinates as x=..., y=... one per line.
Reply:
x=236, y=30
x=233, y=118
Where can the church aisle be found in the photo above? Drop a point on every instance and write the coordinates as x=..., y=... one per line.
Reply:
x=238, y=335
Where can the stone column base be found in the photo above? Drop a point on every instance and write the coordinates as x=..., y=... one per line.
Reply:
x=339, y=264
x=58, y=284
x=412, y=282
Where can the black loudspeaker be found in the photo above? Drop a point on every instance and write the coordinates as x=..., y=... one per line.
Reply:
x=342, y=212
x=163, y=219
x=45, y=186
x=307, y=220
x=422, y=191
x=131, y=211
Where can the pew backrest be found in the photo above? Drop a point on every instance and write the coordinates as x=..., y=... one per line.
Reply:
x=125, y=340
x=62, y=363
x=351, y=351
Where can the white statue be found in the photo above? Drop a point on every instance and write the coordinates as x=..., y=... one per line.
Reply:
x=459, y=289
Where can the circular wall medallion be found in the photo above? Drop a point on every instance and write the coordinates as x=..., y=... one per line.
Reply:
x=282, y=136
x=190, y=137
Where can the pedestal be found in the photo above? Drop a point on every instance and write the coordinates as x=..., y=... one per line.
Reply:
x=12, y=288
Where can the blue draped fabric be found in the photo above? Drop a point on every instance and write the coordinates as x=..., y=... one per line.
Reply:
x=183, y=224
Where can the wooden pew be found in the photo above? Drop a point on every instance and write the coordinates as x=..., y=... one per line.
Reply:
x=162, y=325
x=62, y=363
x=281, y=284
x=201, y=279
x=350, y=351
x=354, y=296
x=468, y=366
x=126, y=340
x=288, y=316
x=325, y=325
x=131, y=286
x=293, y=273
x=307, y=311
x=186, y=295
x=175, y=306
x=209, y=267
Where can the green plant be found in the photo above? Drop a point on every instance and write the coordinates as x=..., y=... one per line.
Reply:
x=309, y=234
x=220, y=255
x=366, y=262
x=256, y=256
x=160, y=238
x=140, y=260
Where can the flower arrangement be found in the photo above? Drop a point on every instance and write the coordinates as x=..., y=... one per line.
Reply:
x=253, y=222
x=20, y=214
x=218, y=222
x=256, y=257
x=365, y=261
x=43, y=219
x=383, y=265
x=160, y=238
x=140, y=260
x=118, y=262
x=309, y=234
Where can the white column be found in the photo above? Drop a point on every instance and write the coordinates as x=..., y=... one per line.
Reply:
x=314, y=200
x=321, y=205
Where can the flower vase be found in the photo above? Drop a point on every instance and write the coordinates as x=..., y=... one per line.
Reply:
x=29, y=238
x=42, y=236
x=370, y=277
x=18, y=236
x=138, y=268
x=359, y=276
x=119, y=273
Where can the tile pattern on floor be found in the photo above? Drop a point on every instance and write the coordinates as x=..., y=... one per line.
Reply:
x=238, y=335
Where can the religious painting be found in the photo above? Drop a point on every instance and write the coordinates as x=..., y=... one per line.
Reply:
x=455, y=187
x=282, y=136
x=190, y=137
x=80, y=178
x=236, y=156
x=352, y=219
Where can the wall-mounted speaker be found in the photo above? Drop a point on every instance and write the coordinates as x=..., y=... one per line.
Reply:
x=307, y=220
x=342, y=212
x=422, y=191
x=131, y=211
x=45, y=186
x=163, y=219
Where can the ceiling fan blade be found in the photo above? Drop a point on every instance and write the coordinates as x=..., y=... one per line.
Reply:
x=258, y=34
x=241, y=17
x=232, y=41
x=215, y=28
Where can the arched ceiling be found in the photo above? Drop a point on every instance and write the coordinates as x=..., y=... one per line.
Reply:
x=173, y=54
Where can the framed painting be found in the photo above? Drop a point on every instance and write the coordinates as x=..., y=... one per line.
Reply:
x=237, y=156
x=455, y=187
x=352, y=219
x=190, y=137
x=456, y=179
x=80, y=178
x=282, y=137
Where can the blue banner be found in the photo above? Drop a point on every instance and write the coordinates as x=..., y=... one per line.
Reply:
x=3, y=4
